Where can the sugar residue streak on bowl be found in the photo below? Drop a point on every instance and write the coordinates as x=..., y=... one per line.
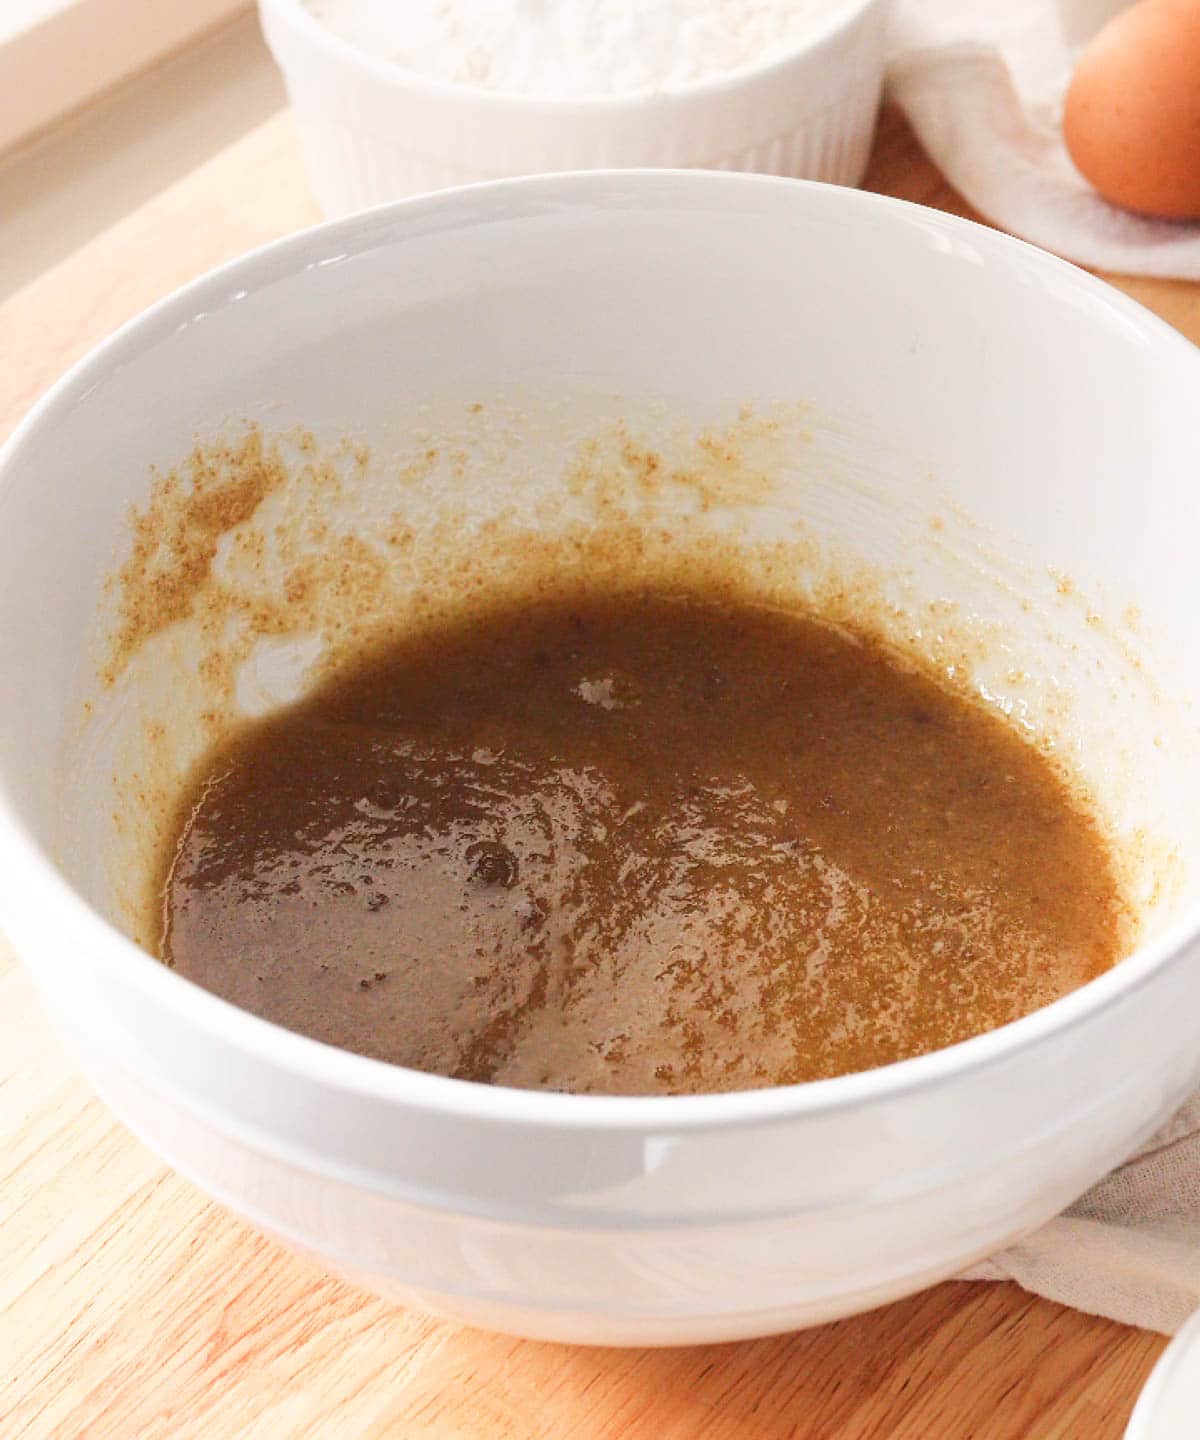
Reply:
x=263, y=561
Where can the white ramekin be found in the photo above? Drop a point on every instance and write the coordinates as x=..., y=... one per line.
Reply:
x=373, y=131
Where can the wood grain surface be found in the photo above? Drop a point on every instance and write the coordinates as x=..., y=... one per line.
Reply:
x=130, y=1306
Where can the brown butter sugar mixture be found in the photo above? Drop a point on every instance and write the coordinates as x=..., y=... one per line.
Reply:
x=637, y=844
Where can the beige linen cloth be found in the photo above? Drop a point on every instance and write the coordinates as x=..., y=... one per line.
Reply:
x=1128, y=1249
x=982, y=83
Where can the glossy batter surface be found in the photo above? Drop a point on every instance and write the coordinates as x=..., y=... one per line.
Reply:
x=643, y=844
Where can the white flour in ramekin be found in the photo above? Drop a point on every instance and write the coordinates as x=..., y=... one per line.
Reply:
x=571, y=48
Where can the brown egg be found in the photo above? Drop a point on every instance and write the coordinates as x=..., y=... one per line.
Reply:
x=1132, y=118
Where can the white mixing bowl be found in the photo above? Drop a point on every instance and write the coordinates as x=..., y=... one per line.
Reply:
x=1001, y=449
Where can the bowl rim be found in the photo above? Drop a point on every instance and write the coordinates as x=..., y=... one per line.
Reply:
x=314, y=33
x=1179, y=1361
x=26, y=867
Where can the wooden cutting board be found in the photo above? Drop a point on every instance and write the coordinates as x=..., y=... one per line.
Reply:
x=132, y=1308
